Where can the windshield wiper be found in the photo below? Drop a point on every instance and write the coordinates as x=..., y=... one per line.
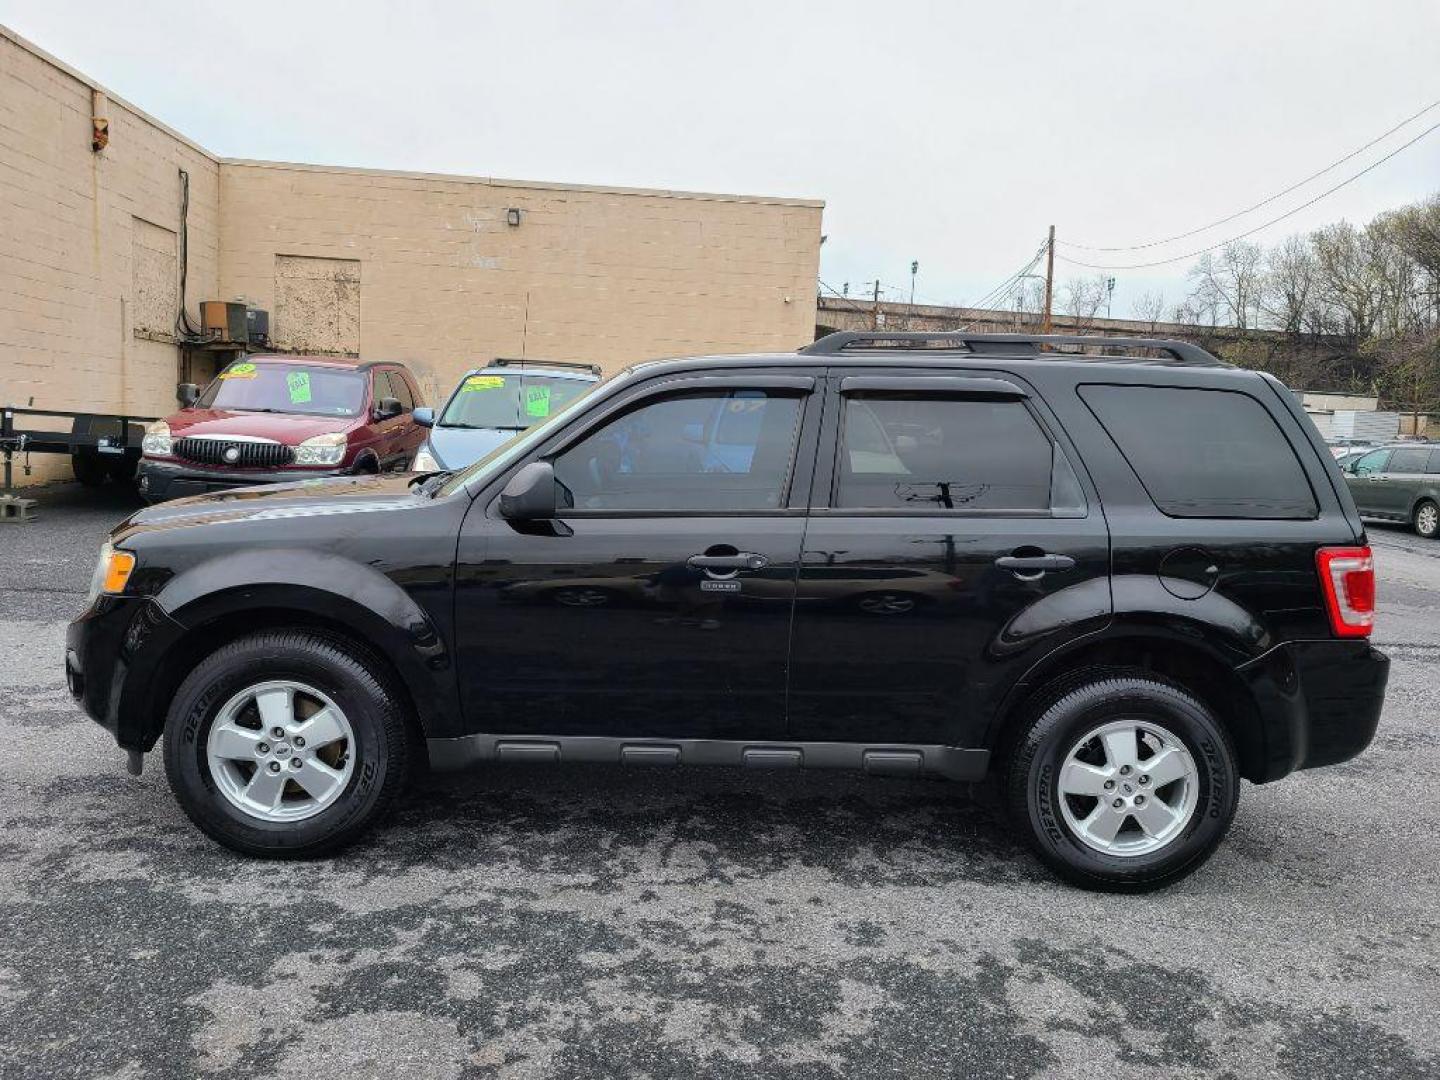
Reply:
x=432, y=483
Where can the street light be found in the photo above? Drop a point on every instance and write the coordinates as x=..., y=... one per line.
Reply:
x=1109, y=292
x=914, y=269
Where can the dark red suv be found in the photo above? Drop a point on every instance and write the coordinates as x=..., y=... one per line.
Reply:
x=274, y=418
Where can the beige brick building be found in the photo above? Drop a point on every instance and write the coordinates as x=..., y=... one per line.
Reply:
x=424, y=268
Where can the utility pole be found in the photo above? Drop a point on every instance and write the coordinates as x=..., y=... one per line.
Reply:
x=1045, y=324
x=875, y=312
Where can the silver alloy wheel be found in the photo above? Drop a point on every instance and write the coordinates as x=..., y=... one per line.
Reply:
x=280, y=751
x=1128, y=788
x=1427, y=521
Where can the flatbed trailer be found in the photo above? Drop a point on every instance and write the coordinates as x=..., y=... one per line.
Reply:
x=100, y=445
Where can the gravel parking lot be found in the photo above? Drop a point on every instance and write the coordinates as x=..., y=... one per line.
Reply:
x=566, y=922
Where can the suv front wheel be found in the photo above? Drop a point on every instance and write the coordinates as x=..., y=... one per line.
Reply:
x=1124, y=781
x=285, y=743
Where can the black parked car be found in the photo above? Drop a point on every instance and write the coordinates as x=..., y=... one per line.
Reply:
x=1119, y=584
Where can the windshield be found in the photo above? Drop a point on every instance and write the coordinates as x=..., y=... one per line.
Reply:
x=507, y=451
x=512, y=401
x=286, y=388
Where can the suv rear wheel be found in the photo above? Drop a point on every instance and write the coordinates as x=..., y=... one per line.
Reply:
x=1427, y=519
x=1124, y=781
x=285, y=744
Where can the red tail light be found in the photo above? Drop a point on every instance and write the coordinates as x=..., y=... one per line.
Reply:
x=1347, y=576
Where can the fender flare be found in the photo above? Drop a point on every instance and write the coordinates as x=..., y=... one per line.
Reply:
x=328, y=589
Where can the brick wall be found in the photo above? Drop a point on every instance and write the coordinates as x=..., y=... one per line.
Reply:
x=88, y=244
x=602, y=275
x=416, y=267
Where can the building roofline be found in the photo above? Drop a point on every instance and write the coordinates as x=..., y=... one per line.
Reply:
x=537, y=185
x=79, y=76
x=403, y=174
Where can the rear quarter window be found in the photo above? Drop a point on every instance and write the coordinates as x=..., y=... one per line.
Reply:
x=1203, y=453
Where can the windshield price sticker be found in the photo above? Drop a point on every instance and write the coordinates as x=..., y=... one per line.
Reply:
x=484, y=382
x=239, y=371
x=298, y=383
x=537, y=401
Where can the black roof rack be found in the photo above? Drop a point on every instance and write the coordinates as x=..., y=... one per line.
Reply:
x=1181, y=353
x=576, y=365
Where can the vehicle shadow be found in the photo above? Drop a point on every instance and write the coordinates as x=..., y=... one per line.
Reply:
x=721, y=825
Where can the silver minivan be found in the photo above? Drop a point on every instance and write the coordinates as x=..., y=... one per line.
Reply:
x=1398, y=483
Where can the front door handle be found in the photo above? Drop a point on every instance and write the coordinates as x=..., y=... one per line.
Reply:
x=1032, y=566
x=744, y=560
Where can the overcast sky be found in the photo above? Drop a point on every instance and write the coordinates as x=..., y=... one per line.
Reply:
x=949, y=133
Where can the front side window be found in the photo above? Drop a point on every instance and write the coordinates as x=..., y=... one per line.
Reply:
x=1371, y=463
x=512, y=402
x=921, y=452
x=246, y=386
x=1203, y=453
x=707, y=450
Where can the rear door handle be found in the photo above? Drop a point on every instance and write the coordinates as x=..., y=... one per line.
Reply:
x=745, y=560
x=1034, y=565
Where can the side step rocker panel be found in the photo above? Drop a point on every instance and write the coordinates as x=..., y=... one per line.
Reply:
x=892, y=759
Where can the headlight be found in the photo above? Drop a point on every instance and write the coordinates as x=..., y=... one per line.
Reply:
x=322, y=450
x=157, y=440
x=111, y=572
x=425, y=461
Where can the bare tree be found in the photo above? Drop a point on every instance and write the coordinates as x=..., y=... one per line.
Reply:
x=1287, y=288
x=1082, y=298
x=1149, y=307
x=1228, y=283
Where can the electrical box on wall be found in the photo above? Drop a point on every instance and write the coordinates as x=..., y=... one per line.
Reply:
x=258, y=327
x=224, y=323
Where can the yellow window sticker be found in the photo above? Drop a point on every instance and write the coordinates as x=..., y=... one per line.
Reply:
x=298, y=383
x=537, y=401
x=239, y=371
x=484, y=382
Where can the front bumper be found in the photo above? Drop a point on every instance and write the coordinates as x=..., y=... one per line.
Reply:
x=161, y=480
x=1319, y=702
x=113, y=665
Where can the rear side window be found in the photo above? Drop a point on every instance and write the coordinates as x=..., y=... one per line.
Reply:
x=929, y=452
x=1434, y=462
x=1204, y=453
x=1411, y=459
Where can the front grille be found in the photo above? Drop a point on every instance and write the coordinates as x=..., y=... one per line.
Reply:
x=249, y=455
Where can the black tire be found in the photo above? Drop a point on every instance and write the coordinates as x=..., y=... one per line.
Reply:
x=384, y=747
x=1431, y=530
x=1060, y=716
x=122, y=469
x=88, y=469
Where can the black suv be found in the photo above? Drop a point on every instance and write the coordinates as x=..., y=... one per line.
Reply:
x=1116, y=583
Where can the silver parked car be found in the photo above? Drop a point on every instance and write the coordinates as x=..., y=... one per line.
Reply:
x=1398, y=483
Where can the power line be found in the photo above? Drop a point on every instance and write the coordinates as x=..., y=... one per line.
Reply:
x=1263, y=202
x=1265, y=225
x=841, y=296
x=1004, y=289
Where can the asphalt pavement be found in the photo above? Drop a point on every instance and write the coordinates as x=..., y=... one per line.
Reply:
x=575, y=922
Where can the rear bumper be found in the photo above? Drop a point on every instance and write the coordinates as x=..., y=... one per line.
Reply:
x=159, y=480
x=1319, y=702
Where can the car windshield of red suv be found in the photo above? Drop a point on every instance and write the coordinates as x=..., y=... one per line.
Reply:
x=285, y=388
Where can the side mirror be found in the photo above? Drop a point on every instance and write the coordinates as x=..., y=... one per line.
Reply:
x=387, y=407
x=424, y=416
x=187, y=393
x=530, y=494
